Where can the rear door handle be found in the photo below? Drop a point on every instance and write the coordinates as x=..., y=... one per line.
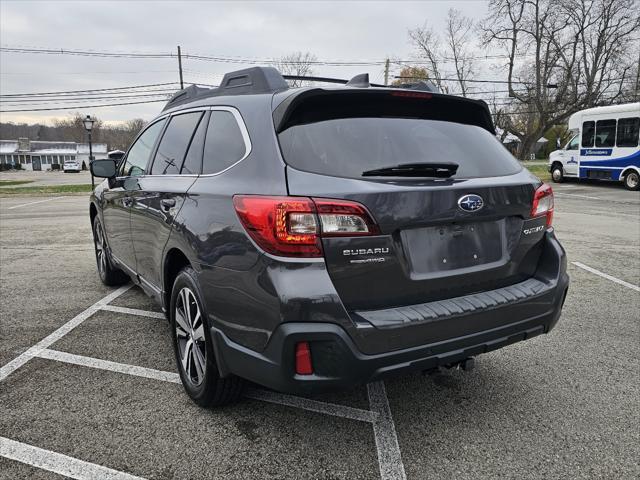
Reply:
x=167, y=203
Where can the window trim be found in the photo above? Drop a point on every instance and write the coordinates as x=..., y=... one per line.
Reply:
x=239, y=120
x=164, y=132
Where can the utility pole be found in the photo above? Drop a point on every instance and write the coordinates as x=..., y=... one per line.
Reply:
x=180, y=67
x=386, y=72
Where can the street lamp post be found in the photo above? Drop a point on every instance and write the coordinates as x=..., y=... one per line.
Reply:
x=88, y=126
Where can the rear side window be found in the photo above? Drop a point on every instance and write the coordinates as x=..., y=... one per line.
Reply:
x=347, y=147
x=193, y=161
x=224, y=144
x=605, y=133
x=588, y=133
x=628, y=129
x=174, y=143
x=136, y=162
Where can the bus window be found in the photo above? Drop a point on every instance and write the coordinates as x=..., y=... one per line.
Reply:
x=628, y=132
x=605, y=133
x=588, y=130
x=573, y=144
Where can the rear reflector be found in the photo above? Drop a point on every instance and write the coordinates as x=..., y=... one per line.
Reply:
x=294, y=226
x=303, y=359
x=543, y=203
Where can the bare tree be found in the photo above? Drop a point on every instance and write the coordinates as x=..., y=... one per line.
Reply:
x=459, y=38
x=562, y=56
x=456, y=49
x=297, y=63
x=427, y=42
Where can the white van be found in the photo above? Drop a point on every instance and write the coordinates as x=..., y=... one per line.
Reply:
x=605, y=146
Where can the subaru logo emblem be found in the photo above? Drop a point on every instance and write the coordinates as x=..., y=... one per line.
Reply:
x=470, y=203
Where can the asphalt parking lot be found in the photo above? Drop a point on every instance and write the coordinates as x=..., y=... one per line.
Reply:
x=88, y=383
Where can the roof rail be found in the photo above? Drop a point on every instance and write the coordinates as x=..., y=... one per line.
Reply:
x=357, y=81
x=253, y=80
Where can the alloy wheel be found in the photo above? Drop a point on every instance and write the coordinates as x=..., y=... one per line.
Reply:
x=101, y=252
x=190, y=336
x=632, y=180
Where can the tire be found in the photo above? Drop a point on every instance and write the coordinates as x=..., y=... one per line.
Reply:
x=109, y=274
x=557, y=173
x=632, y=180
x=193, y=346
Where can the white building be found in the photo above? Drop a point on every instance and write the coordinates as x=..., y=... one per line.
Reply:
x=38, y=155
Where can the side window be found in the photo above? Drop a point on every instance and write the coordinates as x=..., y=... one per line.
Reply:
x=135, y=163
x=573, y=144
x=224, y=145
x=193, y=161
x=174, y=143
x=628, y=129
x=605, y=133
x=588, y=131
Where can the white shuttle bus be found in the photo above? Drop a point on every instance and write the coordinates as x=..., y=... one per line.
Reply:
x=604, y=147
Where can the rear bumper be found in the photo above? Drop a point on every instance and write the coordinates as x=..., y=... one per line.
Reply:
x=356, y=352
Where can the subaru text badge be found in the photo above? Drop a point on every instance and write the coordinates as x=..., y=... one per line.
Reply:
x=470, y=203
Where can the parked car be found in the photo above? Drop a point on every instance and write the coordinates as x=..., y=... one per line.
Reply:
x=606, y=146
x=72, y=166
x=309, y=239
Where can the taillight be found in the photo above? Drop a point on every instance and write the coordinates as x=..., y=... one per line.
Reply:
x=293, y=226
x=543, y=203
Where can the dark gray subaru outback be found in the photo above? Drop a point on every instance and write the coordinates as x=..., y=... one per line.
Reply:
x=311, y=238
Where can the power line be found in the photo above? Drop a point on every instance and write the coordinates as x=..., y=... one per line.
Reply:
x=75, y=107
x=91, y=90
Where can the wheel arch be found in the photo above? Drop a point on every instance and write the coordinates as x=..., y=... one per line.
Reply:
x=93, y=212
x=627, y=170
x=174, y=261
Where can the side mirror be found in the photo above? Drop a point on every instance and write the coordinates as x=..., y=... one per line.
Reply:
x=103, y=168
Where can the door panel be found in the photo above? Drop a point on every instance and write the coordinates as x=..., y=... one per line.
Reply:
x=116, y=213
x=154, y=208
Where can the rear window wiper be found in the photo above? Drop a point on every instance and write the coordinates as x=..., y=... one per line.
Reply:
x=437, y=170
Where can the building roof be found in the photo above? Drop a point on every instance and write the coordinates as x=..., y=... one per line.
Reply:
x=51, y=148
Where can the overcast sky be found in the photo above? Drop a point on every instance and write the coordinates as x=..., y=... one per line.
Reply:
x=261, y=30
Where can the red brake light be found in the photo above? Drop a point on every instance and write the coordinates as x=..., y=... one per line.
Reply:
x=293, y=226
x=303, y=359
x=543, y=203
x=400, y=93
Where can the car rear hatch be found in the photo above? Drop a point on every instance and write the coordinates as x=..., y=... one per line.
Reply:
x=436, y=235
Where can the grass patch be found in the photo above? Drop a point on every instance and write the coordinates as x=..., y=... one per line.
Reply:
x=5, y=183
x=539, y=171
x=46, y=189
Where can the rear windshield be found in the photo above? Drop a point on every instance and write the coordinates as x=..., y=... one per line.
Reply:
x=346, y=147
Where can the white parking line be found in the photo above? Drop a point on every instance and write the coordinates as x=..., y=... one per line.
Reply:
x=133, y=311
x=33, y=203
x=607, y=276
x=560, y=194
x=313, y=405
x=50, y=339
x=58, y=463
x=108, y=365
x=384, y=429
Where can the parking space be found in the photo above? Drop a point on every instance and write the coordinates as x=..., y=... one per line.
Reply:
x=88, y=385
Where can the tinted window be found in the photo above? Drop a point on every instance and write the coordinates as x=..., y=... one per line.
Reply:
x=588, y=131
x=174, y=143
x=136, y=162
x=605, y=133
x=628, y=132
x=573, y=144
x=224, y=145
x=347, y=147
x=193, y=160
